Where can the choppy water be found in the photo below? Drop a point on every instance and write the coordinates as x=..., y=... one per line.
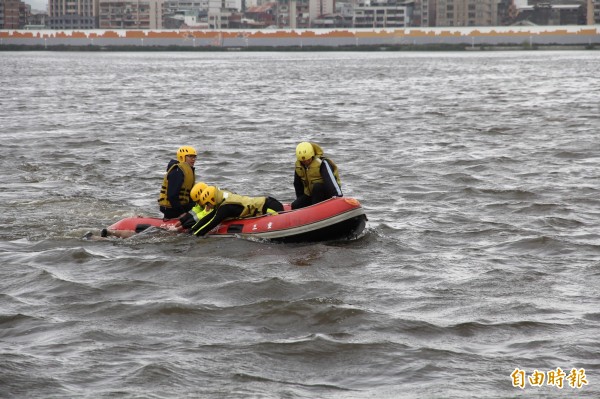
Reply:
x=479, y=173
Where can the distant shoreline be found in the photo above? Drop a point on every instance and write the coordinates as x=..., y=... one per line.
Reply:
x=574, y=37
x=368, y=48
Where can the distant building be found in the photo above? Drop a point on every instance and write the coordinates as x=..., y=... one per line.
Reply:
x=318, y=8
x=293, y=14
x=172, y=6
x=72, y=14
x=506, y=12
x=467, y=13
x=134, y=14
x=181, y=14
x=39, y=19
x=186, y=20
x=382, y=14
x=551, y=14
x=13, y=14
x=332, y=21
x=220, y=11
x=423, y=13
x=259, y=17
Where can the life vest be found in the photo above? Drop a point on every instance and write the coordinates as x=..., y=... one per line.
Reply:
x=189, y=179
x=198, y=212
x=253, y=206
x=312, y=174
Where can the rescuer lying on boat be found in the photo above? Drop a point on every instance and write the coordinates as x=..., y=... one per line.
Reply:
x=219, y=205
x=316, y=177
x=199, y=211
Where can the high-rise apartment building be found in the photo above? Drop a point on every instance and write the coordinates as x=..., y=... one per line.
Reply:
x=72, y=14
x=467, y=13
x=172, y=6
x=426, y=10
x=593, y=12
x=130, y=14
x=10, y=14
x=382, y=14
x=317, y=8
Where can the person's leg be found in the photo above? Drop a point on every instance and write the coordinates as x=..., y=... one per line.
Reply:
x=319, y=193
x=169, y=213
x=272, y=204
x=301, y=202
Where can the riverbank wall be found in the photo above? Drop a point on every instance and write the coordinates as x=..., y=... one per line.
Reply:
x=310, y=39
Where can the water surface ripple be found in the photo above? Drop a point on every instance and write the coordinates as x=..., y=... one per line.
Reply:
x=479, y=173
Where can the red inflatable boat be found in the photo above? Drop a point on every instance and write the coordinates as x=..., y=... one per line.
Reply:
x=334, y=219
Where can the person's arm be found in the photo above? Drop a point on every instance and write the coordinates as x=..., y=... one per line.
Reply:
x=298, y=185
x=190, y=218
x=214, y=217
x=175, y=179
x=332, y=188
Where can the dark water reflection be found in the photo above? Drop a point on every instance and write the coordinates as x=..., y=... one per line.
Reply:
x=479, y=174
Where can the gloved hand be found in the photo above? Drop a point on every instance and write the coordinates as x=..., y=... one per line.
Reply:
x=187, y=220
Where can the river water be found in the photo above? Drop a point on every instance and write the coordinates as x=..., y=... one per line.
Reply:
x=479, y=173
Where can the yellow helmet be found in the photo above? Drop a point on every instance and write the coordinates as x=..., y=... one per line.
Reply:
x=183, y=151
x=197, y=191
x=304, y=151
x=211, y=195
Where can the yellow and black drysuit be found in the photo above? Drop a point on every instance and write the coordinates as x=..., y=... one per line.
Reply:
x=174, y=198
x=232, y=206
x=316, y=182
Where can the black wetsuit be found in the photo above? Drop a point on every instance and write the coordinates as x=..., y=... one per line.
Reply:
x=229, y=211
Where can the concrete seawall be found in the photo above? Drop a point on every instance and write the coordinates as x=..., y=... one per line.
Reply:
x=475, y=37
